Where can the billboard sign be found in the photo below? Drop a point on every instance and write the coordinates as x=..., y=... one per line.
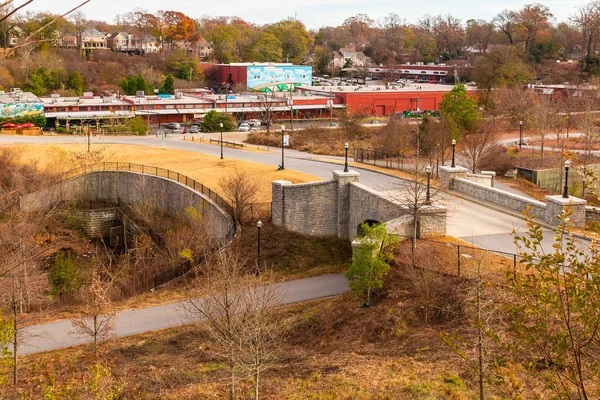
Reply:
x=15, y=110
x=261, y=74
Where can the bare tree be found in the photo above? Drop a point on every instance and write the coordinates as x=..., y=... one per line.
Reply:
x=587, y=19
x=259, y=344
x=416, y=194
x=266, y=111
x=240, y=189
x=543, y=118
x=221, y=307
x=237, y=309
x=350, y=123
x=477, y=146
x=589, y=125
x=31, y=38
x=506, y=21
x=98, y=314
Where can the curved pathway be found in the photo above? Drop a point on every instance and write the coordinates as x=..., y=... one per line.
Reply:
x=57, y=335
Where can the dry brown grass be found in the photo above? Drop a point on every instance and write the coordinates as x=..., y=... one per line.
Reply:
x=527, y=187
x=333, y=350
x=206, y=169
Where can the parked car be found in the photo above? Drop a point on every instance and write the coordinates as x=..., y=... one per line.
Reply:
x=254, y=122
x=179, y=130
x=194, y=129
x=173, y=125
x=244, y=127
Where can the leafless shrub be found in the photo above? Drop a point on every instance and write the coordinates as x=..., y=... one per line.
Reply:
x=240, y=189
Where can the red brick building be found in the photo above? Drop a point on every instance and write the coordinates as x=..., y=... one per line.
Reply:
x=381, y=101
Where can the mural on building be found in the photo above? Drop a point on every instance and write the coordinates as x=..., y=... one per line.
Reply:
x=300, y=75
x=14, y=110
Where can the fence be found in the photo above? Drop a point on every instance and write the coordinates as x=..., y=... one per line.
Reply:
x=259, y=212
x=456, y=259
x=185, y=267
x=385, y=159
x=155, y=171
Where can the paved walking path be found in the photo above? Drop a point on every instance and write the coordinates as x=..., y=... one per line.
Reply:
x=56, y=335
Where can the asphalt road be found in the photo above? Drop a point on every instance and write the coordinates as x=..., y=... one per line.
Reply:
x=58, y=335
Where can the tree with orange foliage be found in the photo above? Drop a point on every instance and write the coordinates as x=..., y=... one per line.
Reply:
x=178, y=27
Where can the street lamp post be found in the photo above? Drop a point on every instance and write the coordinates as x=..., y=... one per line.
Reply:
x=282, y=147
x=566, y=191
x=346, y=146
x=453, y=148
x=428, y=194
x=259, y=226
x=221, y=127
x=330, y=107
x=520, y=134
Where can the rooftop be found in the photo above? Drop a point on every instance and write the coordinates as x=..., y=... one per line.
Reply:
x=392, y=88
x=18, y=97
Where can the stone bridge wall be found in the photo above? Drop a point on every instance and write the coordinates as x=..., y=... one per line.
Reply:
x=133, y=189
x=338, y=206
x=455, y=179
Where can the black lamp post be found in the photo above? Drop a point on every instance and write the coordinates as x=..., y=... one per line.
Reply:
x=428, y=195
x=221, y=126
x=259, y=226
x=566, y=191
x=520, y=134
x=453, y=147
x=346, y=163
x=282, y=147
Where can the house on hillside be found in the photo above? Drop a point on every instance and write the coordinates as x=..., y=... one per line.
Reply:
x=63, y=39
x=340, y=58
x=120, y=41
x=204, y=49
x=14, y=35
x=574, y=53
x=147, y=43
x=92, y=39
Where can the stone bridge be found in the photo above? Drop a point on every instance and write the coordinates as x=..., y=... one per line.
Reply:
x=135, y=184
x=337, y=207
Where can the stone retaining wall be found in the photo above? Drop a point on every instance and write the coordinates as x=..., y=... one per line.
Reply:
x=337, y=207
x=94, y=223
x=545, y=212
x=133, y=188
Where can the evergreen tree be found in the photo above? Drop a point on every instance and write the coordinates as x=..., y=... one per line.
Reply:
x=167, y=86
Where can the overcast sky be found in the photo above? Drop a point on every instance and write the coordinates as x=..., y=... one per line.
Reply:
x=314, y=13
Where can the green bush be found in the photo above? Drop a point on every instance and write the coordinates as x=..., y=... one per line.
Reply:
x=212, y=119
x=64, y=277
x=137, y=125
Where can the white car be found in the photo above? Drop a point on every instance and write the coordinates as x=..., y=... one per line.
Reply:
x=244, y=127
x=254, y=122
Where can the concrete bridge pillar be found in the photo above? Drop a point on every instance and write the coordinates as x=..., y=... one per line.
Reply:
x=343, y=200
x=447, y=175
x=278, y=202
x=556, y=204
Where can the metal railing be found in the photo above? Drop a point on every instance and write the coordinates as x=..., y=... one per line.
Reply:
x=462, y=262
x=153, y=171
x=185, y=267
x=384, y=158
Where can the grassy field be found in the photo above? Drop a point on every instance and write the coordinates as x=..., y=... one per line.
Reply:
x=206, y=169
